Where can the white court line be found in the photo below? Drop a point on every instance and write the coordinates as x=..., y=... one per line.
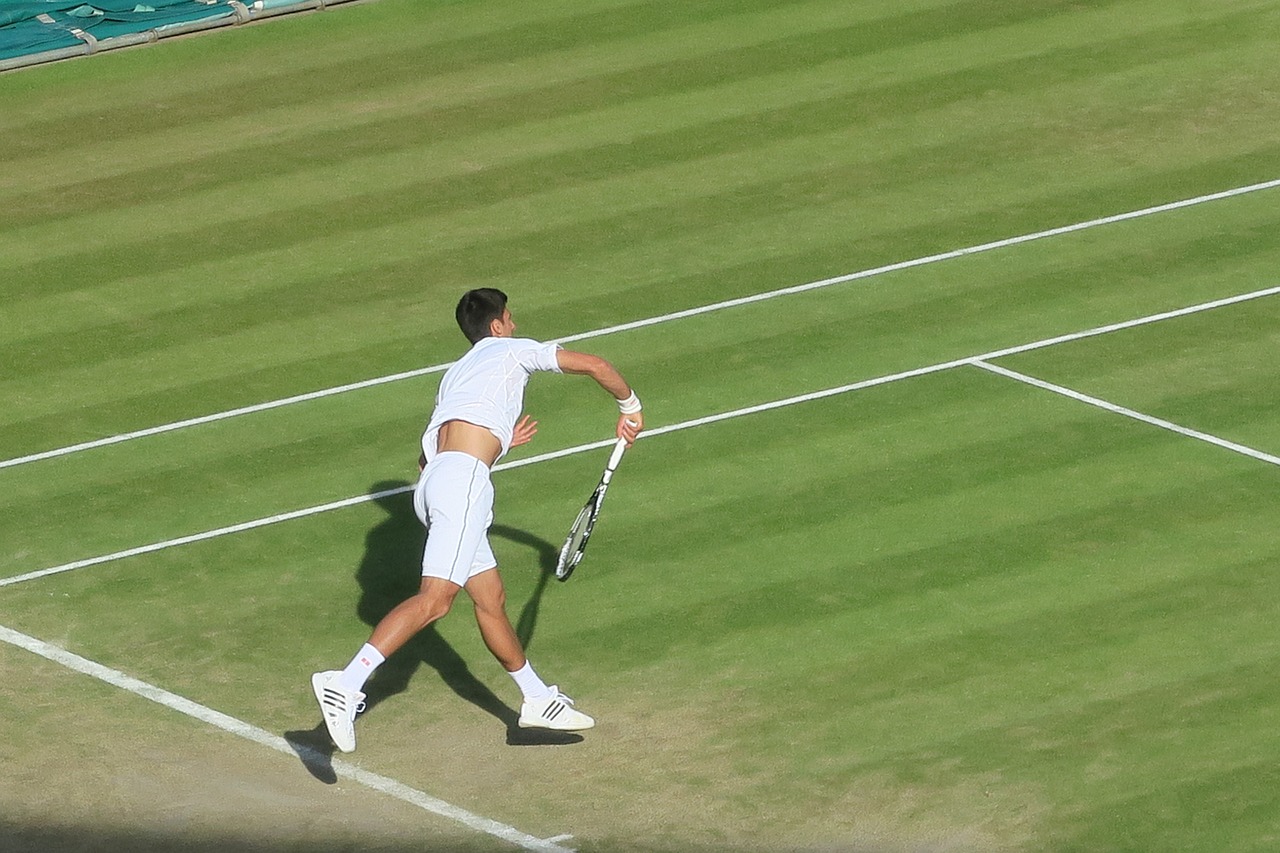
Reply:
x=651, y=321
x=239, y=728
x=650, y=433
x=274, y=519
x=1128, y=413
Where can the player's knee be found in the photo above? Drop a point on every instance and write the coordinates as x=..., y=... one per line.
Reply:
x=488, y=601
x=493, y=600
x=430, y=609
x=432, y=604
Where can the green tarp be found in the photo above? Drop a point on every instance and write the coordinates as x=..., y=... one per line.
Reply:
x=40, y=29
x=35, y=26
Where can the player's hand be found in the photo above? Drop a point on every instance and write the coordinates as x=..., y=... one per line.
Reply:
x=525, y=430
x=629, y=426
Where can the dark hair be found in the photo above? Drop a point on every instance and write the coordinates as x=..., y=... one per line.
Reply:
x=477, y=309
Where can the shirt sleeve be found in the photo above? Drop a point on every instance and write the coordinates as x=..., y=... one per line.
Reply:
x=535, y=356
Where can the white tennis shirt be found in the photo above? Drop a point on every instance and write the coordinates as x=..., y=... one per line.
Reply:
x=486, y=387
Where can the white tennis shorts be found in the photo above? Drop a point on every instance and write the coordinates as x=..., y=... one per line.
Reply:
x=454, y=499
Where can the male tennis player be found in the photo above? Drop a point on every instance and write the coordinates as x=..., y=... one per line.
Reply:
x=472, y=426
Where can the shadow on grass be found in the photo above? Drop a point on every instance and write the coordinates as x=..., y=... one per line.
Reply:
x=70, y=838
x=390, y=572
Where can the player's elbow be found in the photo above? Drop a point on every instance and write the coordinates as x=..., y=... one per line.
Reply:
x=584, y=364
x=600, y=368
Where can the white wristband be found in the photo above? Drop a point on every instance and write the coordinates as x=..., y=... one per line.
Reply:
x=629, y=406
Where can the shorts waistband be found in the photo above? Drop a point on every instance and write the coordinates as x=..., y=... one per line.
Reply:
x=458, y=454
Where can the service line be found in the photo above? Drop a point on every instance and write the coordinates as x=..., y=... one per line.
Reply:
x=1128, y=413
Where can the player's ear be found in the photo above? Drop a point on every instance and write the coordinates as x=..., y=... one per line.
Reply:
x=495, y=328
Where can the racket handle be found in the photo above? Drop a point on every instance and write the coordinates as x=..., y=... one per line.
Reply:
x=618, y=449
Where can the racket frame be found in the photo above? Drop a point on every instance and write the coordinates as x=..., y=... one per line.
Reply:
x=569, y=558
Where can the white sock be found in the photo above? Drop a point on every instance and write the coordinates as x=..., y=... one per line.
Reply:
x=529, y=683
x=360, y=668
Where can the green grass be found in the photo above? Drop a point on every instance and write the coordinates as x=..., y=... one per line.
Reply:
x=949, y=612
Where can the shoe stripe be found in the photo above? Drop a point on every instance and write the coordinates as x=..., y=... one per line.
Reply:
x=335, y=701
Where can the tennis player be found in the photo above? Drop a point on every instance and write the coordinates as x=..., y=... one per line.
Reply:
x=474, y=423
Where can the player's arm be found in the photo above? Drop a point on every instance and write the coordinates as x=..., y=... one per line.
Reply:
x=631, y=417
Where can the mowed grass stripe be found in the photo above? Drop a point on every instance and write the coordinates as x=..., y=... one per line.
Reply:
x=459, y=268
x=906, y=464
x=265, y=137
x=775, y=175
x=1071, y=721
x=313, y=323
x=103, y=300
x=936, y=482
x=258, y=161
x=979, y=757
x=1030, y=73
x=205, y=470
x=771, y=173
x=883, y=23
x=539, y=89
x=1051, y=658
x=768, y=356
x=869, y=640
x=679, y=779
x=1193, y=728
x=273, y=461
x=846, y=639
x=1075, y=702
x=1224, y=387
x=366, y=40
x=1071, y=393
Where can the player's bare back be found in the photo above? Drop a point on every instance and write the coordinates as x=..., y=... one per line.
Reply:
x=470, y=439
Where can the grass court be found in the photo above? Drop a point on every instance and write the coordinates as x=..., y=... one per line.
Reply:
x=968, y=546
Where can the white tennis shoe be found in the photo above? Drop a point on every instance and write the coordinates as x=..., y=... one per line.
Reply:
x=339, y=707
x=553, y=712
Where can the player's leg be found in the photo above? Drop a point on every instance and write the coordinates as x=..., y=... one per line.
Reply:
x=454, y=498
x=434, y=599
x=490, y=599
x=340, y=692
x=455, y=495
x=543, y=706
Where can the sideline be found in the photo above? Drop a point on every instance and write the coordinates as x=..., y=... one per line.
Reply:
x=651, y=321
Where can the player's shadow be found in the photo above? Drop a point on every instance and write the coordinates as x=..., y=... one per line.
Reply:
x=315, y=750
x=390, y=572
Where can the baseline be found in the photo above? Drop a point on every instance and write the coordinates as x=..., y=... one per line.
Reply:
x=1128, y=413
x=651, y=321
x=976, y=360
x=239, y=728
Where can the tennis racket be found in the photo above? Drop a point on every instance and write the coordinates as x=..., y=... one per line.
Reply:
x=576, y=543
